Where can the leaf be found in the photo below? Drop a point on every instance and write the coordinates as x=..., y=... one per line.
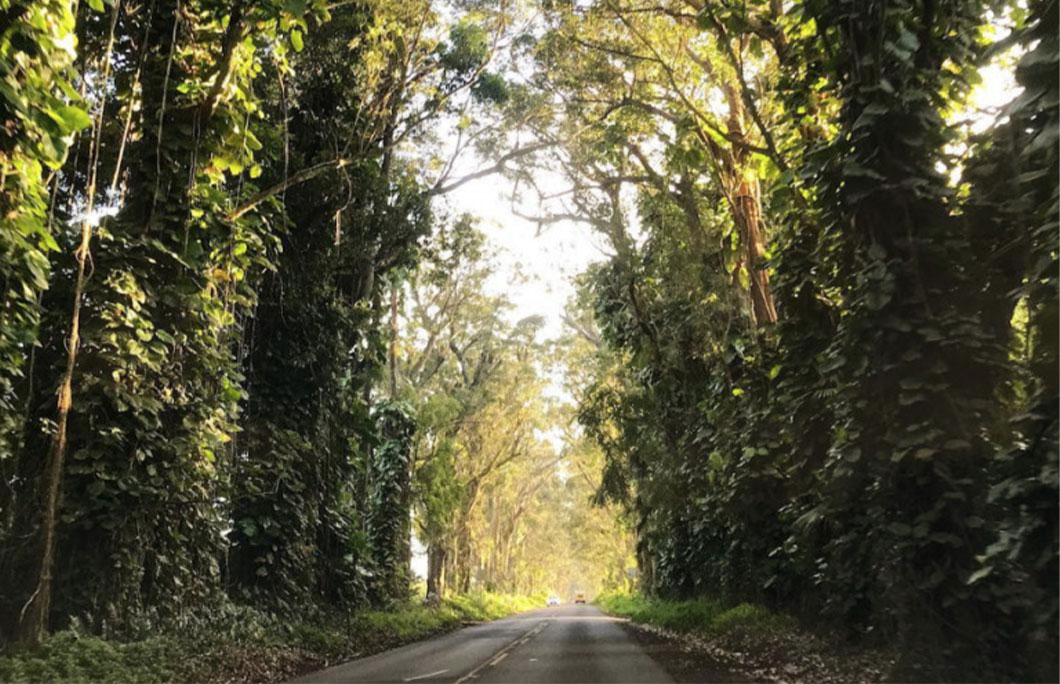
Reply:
x=76, y=118
x=296, y=40
x=979, y=574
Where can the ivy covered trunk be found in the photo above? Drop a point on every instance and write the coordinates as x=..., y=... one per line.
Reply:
x=389, y=518
x=907, y=455
x=156, y=383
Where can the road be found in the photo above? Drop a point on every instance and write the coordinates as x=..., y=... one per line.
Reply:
x=573, y=643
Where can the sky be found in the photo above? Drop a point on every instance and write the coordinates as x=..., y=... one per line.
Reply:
x=549, y=260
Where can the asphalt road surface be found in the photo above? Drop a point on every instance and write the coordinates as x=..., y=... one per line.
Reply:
x=565, y=644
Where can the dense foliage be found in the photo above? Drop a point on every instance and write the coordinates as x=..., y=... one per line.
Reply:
x=246, y=355
x=829, y=376
x=204, y=204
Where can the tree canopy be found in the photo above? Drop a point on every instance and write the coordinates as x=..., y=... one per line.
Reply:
x=248, y=353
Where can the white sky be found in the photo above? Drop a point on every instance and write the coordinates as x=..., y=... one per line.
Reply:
x=549, y=261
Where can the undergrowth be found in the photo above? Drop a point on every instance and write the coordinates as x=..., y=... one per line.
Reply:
x=246, y=645
x=756, y=642
x=701, y=615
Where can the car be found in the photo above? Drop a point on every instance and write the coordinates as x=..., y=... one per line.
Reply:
x=579, y=597
x=552, y=601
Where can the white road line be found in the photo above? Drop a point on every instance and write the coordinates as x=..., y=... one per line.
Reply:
x=500, y=654
x=424, y=676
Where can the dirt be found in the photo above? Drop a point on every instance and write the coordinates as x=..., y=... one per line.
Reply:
x=682, y=660
x=780, y=656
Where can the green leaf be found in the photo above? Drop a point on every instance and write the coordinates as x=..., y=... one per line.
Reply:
x=75, y=118
x=296, y=40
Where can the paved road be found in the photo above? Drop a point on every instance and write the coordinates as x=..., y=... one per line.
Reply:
x=562, y=644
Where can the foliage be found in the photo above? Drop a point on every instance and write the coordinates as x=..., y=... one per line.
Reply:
x=246, y=645
x=699, y=615
x=218, y=244
x=41, y=112
x=865, y=461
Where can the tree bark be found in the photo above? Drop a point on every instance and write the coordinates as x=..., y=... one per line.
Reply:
x=747, y=213
x=746, y=204
x=436, y=554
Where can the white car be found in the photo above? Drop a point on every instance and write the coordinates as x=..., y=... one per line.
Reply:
x=552, y=601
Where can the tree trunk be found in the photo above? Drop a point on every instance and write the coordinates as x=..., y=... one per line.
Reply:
x=33, y=623
x=746, y=206
x=393, y=340
x=435, y=570
x=747, y=214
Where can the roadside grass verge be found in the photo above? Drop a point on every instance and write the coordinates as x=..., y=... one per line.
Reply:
x=701, y=615
x=751, y=640
x=244, y=645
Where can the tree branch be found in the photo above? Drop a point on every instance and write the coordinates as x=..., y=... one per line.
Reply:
x=298, y=178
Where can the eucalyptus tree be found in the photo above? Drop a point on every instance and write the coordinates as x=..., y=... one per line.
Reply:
x=855, y=455
x=172, y=217
x=476, y=381
x=365, y=88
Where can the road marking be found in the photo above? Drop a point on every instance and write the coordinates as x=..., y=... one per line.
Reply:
x=424, y=676
x=501, y=654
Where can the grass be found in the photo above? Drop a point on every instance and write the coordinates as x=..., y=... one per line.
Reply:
x=701, y=615
x=246, y=645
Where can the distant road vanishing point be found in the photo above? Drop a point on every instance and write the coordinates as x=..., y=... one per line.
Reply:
x=566, y=644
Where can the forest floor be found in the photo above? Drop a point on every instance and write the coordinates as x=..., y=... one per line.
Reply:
x=243, y=645
x=702, y=640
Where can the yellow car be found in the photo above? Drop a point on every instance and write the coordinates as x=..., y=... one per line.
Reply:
x=579, y=597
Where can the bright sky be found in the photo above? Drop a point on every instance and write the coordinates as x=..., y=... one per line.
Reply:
x=549, y=260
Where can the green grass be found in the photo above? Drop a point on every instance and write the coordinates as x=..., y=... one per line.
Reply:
x=488, y=606
x=702, y=615
x=245, y=645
